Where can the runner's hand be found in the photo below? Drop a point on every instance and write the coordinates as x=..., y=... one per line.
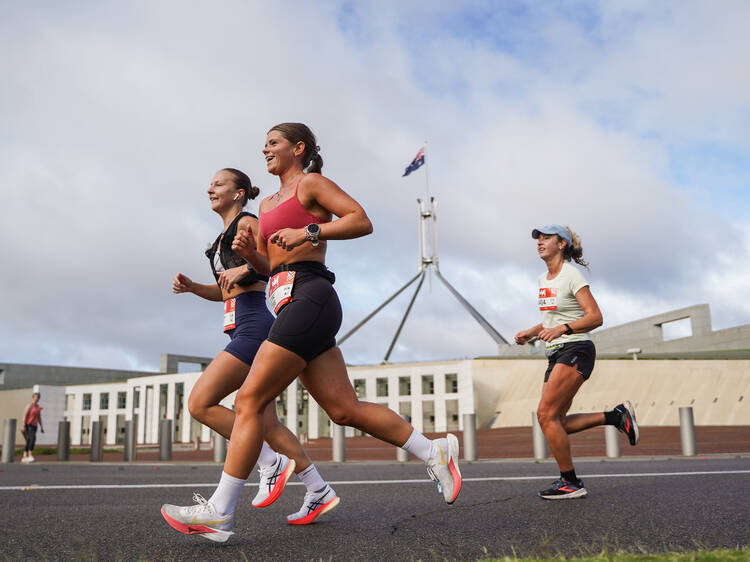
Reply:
x=552, y=333
x=523, y=336
x=228, y=278
x=288, y=238
x=182, y=284
x=244, y=242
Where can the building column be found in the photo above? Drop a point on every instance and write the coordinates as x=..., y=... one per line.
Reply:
x=441, y=419
x=291, y=407
x=313, y=418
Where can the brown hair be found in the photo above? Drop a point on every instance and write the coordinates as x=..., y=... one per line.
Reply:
x=573, y=251
x=242, y=181
x=299, y=132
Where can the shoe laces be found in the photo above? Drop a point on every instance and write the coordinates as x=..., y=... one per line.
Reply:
x=202, y=504
x=268, y=471
x=312, y=496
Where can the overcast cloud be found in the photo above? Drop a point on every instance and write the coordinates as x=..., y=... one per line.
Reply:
x=627, y=121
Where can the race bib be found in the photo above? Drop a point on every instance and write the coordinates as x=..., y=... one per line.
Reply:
x=280, y=289
x=548, y=298
x=229, y=318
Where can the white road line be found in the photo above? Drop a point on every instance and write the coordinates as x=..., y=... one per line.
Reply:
x=33, y=487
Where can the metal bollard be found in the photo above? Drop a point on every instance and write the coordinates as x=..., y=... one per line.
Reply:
x=220, y=448
x=540, y=441
x=128, y=450
x=687, y=431
x=63, y=440
x=612, y=440
x=401, y=454
x=165, y=440
x=339, y=443
x=97, y=432
x=9, y=440
x=470, y=437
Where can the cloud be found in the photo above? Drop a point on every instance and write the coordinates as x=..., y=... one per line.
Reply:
x=113, y=120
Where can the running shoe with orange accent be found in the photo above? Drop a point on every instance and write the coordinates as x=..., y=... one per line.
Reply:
x=314, y=505
x=563, y=490
x=272, y=480
x=200, y=519
x=627, y=423
x=443, y=468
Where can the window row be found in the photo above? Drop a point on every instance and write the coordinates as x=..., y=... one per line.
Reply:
x=404, y=385
x=103, y=401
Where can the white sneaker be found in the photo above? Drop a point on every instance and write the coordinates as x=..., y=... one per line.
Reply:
x=200, y=519
x=272, y=480
x=314, y=505
x=25, y=460
x=443, y=468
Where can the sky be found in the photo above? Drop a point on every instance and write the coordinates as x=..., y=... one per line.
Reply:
x=626, y=121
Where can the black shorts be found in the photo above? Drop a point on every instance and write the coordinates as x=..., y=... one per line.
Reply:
x=307, y=325
x=578, y=354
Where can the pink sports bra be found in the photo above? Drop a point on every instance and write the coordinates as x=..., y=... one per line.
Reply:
x=288, y=214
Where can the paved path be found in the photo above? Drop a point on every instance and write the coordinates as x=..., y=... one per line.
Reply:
x=388, y=511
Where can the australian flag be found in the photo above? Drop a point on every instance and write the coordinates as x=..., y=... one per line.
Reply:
x=416, y=163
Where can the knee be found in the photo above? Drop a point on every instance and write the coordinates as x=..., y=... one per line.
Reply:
x=197, y=407
x=545, y=416
x=248, y=403
x=344, y=414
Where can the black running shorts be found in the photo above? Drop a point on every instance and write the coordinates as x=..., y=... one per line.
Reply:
x=308, y=324
x=578, y=354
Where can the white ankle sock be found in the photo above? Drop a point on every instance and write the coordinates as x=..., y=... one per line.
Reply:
x=227, y=493
x=312, y=479
x=267, y=455
x=419, y=446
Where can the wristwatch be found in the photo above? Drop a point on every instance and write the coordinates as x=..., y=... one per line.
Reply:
x=312, y=231
x=568, y=329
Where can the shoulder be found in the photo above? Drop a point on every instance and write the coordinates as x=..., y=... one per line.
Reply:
x=574, y=277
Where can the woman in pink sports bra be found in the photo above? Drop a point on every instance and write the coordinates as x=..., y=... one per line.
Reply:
x=295, y=225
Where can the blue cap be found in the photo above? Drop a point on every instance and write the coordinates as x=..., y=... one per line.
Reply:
x=558, y=229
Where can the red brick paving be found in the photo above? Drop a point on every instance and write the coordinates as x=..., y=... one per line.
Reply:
x=511, y=442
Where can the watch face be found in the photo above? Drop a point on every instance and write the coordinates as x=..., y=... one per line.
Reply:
x=313, y=229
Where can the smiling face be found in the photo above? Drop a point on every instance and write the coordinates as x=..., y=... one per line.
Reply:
x=280, y=154
x=548, y=246
x=223, y=192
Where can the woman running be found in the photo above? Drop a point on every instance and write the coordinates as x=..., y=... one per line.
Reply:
x=241, y=286
x=569, y=312
x=295, y=224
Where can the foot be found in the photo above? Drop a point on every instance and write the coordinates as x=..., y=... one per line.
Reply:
x=443, y=467
x=25, y=460
x=563, y=490
x=627, y=423
x=314, y=505
x=272, y=480
x=200, y=519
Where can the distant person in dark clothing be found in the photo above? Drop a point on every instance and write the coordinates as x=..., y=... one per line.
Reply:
x=32, y=417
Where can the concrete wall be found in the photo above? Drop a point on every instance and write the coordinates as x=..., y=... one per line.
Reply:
x=12, y=405
x=718, y=390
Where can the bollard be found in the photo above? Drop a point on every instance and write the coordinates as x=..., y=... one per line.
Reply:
x=612, y=440
x=402, y=455
x=63, y=440
x=470, y=437
x=339, y=443
x=9, y=440
x=220, y=448
x=165, y=440
x=687, y=431
x=128, y=449
x=97, y=432
x=540, y=442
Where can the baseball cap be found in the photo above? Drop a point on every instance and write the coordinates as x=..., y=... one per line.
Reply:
x=558, y=229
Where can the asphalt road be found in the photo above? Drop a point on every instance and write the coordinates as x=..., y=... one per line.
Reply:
x=388, y=511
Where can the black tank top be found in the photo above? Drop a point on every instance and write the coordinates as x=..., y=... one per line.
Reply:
x=230, y=259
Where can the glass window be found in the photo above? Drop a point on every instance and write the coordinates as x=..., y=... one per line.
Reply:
x=87, y=401
x=404, y=386
x=381, y=386
x=428, y=384
x=122, y=400
x=359, y=387
x=104, y=401
x=136, y=398
x=451, y=382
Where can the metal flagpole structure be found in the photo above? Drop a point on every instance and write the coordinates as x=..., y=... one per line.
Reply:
x=428, y=246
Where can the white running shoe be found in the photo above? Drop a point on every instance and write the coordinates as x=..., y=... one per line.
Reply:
x=25, y=460
x=314, y=505
x=200, y=519
x=272, y=480
x=443, y=468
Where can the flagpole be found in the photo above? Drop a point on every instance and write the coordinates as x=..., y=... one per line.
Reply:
x=426, y=174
